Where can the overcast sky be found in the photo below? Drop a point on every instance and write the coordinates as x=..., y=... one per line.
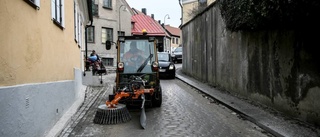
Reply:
x=160, y=8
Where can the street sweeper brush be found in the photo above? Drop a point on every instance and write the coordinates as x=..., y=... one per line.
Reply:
x=112, y=112
x=111, y=115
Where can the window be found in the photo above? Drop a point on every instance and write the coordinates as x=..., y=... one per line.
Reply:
x=95, y=9
x=177, y=41
x=90, y=34
x=57, y=12
x=107, y=61
x=75, y=16
x=34, y=3
x=107, y=4
x=77, y=24
x=121, y=33
x=172, y=40
x=106, y=34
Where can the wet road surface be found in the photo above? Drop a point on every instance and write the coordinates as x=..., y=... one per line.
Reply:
x=184, y=112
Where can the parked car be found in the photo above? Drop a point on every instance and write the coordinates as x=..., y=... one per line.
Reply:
x=166, y=66
x=177, y=55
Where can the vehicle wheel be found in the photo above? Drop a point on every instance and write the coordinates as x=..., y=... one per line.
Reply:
x=114, y=89
x=173, y=76
x=157, y=98
x=94, y=72
x=111, y=97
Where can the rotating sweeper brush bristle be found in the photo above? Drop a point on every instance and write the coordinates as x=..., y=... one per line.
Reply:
x=112, y=115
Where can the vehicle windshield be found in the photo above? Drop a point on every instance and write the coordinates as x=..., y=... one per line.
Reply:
x=163, y=57
x=137, y=56
x=178, y=49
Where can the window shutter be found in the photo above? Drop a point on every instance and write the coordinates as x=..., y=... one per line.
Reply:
x=76, y=24
x=62, y=13
x=37, y=2
x=53, y=7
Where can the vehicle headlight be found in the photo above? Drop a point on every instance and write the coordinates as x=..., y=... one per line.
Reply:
x=171, y=67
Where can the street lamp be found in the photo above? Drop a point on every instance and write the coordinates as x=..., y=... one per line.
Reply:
x=125, y=9
x=164, y=19
x=165, y=39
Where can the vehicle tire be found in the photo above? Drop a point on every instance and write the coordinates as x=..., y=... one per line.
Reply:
x=93, y=72
x=157, y=98
x=111, y=97
x=173, y=76
x=114, y=89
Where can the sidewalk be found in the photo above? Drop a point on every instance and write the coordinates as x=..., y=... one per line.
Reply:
x=272, y=122
x=93, y=89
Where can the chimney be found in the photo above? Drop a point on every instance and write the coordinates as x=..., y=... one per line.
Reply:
x=152, y=16
x=144, y=10
x=159, y=21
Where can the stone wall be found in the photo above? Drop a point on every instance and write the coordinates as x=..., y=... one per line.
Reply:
x=278, y=68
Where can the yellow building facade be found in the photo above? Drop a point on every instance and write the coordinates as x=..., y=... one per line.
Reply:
x=33, y=48
x=41, y=62
x=190, y=8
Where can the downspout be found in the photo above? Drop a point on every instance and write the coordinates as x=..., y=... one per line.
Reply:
x=87, y=26
x=85, y=35
x=181, y=11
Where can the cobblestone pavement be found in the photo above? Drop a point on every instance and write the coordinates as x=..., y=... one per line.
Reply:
x=186, y=114
x=269, y=120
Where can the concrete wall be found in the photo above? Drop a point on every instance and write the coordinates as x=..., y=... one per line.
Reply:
x=31, y=110
x=278, y=68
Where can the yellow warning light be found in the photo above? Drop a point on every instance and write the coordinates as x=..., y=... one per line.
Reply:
x=144, y=31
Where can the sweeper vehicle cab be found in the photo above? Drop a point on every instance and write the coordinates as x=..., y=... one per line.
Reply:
x=137, y=80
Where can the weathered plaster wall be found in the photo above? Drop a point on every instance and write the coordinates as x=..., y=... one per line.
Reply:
x=278, y=68
x=110, y=19
x=187, y=10
x=33, y=48
x=31, y=110
x=39, y=74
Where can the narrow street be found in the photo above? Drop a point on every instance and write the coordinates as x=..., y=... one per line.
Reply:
x=186, y=111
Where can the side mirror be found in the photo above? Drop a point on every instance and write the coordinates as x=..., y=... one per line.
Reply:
x=108, y=45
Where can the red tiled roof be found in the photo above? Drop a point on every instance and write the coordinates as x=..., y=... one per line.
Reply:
x=142, y=21
x=173, y=30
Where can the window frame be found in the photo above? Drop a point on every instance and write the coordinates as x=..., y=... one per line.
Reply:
x=109, y=5
x=78, y=26
x=95, y=9
x=102, y=33
x=107, y=61
x=57, y=12
x=75, y=16
x=121, y=33
x=34, y=3
x=93, y=34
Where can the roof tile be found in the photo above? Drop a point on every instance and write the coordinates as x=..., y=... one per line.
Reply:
x=142, y=21
x=173, y=30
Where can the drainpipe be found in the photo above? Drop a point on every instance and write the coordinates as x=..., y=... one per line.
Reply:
x=89, y=2
x=85, y=35
x=181, y=11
